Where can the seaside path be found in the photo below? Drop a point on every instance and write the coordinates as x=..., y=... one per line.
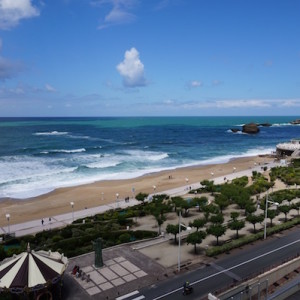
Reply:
x=35, y=226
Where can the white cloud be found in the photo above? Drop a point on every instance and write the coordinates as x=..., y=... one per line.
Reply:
x=195, y=84
x=242, y=103
x=120, y=12
x=290, y=103
x=12, y=11
x=216, y=82
x=49, y=88
x=132, y=69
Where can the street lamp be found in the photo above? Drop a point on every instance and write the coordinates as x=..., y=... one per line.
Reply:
x=72, y=205
x=179, y=240
x=266, y=213
x=7, y=218
x=117, y=197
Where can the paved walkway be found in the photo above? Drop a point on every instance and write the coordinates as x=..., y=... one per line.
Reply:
x=34, y=226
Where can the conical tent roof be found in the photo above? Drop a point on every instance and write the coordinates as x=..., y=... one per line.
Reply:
x=32, y=269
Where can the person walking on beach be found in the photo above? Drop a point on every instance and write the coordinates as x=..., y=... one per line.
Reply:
x=42, y=221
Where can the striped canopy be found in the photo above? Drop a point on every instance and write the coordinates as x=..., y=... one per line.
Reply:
x=32, y=270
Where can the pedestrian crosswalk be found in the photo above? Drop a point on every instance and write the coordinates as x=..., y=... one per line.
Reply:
x=135, y=295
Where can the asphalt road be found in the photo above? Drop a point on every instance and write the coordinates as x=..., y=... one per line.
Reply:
x=225, y=270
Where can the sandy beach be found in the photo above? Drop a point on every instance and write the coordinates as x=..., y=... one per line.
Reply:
x=104, y=192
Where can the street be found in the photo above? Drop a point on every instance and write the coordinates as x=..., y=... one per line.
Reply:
x=229, y=269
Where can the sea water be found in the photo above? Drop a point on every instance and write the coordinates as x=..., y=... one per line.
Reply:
x=38, y=155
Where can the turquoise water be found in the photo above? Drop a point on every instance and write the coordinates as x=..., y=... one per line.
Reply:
x=38, y=155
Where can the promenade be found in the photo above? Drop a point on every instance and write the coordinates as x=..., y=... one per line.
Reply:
x=35, y=226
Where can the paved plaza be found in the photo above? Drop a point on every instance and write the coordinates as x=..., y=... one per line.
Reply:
x=125, y=271
x=114, y=273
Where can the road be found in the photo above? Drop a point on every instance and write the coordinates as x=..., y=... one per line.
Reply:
x=222, y=272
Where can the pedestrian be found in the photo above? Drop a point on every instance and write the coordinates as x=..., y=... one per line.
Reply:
x=49, y=219
x=42, y=221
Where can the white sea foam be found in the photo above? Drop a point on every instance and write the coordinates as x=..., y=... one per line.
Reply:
x=284, y=124
x=51, y=133
x=147, y=155
x=24, y=177
x=103, y=164
x=64, y=151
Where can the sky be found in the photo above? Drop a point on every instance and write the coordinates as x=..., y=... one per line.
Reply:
x=149, y=58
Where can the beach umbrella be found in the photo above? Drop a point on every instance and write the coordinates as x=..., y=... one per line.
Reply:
x=31, y=271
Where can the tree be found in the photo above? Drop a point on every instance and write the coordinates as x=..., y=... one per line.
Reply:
x=160, y=219
x=173, y=229
x=284, y=209
x=236, y=225
x=216, y=230
x=253, y=219
x=198, y=223
x=272, y=213
x=141, y=197
x=178, y=202
x=210, y=209
x=217, y=219
x=297, y=207
x=195, y=238
x=234, y=215
x=200, y=202
x=222, y=201
x=250, y=208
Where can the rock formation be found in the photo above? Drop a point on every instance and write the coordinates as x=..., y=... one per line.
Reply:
x=250, y=128
x=296, y=122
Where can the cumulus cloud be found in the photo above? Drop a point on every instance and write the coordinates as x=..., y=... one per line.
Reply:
x=120, y=12
x=132, y=69
x=12, y=11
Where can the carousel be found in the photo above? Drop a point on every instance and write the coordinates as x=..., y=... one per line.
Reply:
x=32, y=273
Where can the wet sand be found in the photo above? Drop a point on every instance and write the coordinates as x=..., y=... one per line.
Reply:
x=104, y=192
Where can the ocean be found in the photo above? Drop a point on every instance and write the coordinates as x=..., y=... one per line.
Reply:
x=38, y=155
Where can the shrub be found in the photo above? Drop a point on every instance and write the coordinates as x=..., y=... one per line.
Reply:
x=56, y=238
x=125, y=238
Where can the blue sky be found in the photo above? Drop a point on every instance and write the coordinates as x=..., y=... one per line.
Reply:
x=149, y=57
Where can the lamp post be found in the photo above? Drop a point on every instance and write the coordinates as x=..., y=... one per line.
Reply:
x=117, y=198
x=72, y=205
x=7, y=218
x=266, y=213
x=179, y=240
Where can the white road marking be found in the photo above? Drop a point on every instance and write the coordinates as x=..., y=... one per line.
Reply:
x=127, y=295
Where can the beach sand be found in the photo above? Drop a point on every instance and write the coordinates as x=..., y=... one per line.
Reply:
x=90, y=195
